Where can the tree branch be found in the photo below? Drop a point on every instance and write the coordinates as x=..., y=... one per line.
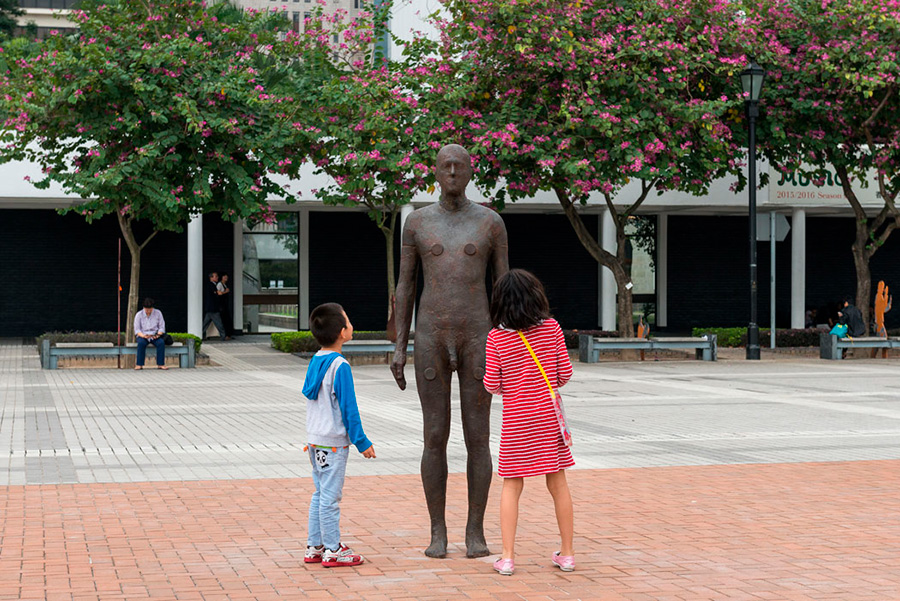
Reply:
x=868, y=122
x=882, y=238
x=645, y=191
x=149, y=238
x=841, y=170
x=587, y=240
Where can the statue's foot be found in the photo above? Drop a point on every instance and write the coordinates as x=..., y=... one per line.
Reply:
x=437, y=548
x=476, y=546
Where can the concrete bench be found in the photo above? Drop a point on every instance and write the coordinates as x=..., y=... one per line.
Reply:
x=832, y=347
x=50, y=353
x=589, y=347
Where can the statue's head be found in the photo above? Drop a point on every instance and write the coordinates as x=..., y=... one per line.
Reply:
x=453, y=169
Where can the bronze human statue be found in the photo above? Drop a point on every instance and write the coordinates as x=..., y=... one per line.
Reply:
x=456, y=240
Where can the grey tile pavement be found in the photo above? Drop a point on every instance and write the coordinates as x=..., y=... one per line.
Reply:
x=245, y=417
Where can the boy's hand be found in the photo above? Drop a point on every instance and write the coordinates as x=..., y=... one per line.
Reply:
x=369, y=453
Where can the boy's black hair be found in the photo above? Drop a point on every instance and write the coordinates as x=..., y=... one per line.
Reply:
x=849, y=300
x=148, y=303
x=519, y=301
x=326, y=322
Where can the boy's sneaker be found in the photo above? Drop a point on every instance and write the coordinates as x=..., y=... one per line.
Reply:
x=344, y=556
x=314, y=554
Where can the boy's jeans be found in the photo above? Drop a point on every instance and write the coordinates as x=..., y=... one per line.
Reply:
x=328, y=468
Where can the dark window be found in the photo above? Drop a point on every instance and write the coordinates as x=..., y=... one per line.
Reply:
x=47, y=3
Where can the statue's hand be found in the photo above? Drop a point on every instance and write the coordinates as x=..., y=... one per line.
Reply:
x=397, y=366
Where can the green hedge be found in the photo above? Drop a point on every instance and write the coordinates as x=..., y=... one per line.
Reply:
x=111, y=337
x=184, y=338
x=735, y=337
x=303, y=341
x=571, y=336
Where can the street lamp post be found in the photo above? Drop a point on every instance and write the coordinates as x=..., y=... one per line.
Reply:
x=751, y=81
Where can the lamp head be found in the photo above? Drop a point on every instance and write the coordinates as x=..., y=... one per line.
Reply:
x=752, y=78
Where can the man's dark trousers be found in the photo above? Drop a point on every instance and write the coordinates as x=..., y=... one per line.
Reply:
x=159, y=343
x=214, y=318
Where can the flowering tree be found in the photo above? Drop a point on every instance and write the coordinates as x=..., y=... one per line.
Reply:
x=831, y=101
x=583, y=97
x=366, y=126
x=154, y=111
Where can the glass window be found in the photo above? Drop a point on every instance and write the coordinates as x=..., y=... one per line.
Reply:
x=271, y=275
x=284, y=222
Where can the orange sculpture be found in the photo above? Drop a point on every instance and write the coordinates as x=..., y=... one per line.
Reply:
x=882, y=306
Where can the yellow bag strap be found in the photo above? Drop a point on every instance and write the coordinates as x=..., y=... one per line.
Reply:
x=540, y=367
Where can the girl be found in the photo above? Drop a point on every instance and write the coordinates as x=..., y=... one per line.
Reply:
x=530, y=441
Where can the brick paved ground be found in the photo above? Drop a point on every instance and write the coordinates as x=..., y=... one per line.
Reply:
x=191, y=485
x=780, y=532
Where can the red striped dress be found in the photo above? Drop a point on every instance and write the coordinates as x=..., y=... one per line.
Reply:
x=530, y=442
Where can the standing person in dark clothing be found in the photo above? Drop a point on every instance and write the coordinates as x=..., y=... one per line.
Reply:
x=852, y=318
x=225, y=304
x=211, y=308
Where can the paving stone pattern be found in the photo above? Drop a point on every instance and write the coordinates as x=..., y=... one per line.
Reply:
x=731, y=480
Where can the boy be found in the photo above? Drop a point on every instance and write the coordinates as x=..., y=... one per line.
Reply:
x=332, y=423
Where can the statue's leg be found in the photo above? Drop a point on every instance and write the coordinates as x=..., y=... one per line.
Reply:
x=433, y=383
x=476, y=420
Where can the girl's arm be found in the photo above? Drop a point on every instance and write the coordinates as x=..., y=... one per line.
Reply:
x=493, y=379
x=563, y=364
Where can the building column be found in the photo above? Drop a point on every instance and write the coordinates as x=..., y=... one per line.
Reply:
x=303, y=265
x=607, y=315
x=195, y=275
x=237, y=277
x=798, y=269
x=662, y=271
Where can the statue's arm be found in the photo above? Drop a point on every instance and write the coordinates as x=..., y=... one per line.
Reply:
x=405, y=299
x=500, y=248
x=406, y=287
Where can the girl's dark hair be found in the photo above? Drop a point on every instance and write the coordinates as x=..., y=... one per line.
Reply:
x=326, y=322
x=519, y=301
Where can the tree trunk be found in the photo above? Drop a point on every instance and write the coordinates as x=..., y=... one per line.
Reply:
x=389, y=232
x=625, y=327
x=135, y=249
x=625, y=310
x=868, y=240
x=863, y=272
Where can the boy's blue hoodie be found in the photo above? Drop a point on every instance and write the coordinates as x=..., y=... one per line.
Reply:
x=332, y=416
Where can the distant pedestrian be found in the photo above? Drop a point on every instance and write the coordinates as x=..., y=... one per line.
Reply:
x=531, y=442
x=150, y=328
x=332, y=423
x=225, y=304
x=211, y=307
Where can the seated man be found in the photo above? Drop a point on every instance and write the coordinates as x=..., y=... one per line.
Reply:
x=852, y=318
x=150, y=328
